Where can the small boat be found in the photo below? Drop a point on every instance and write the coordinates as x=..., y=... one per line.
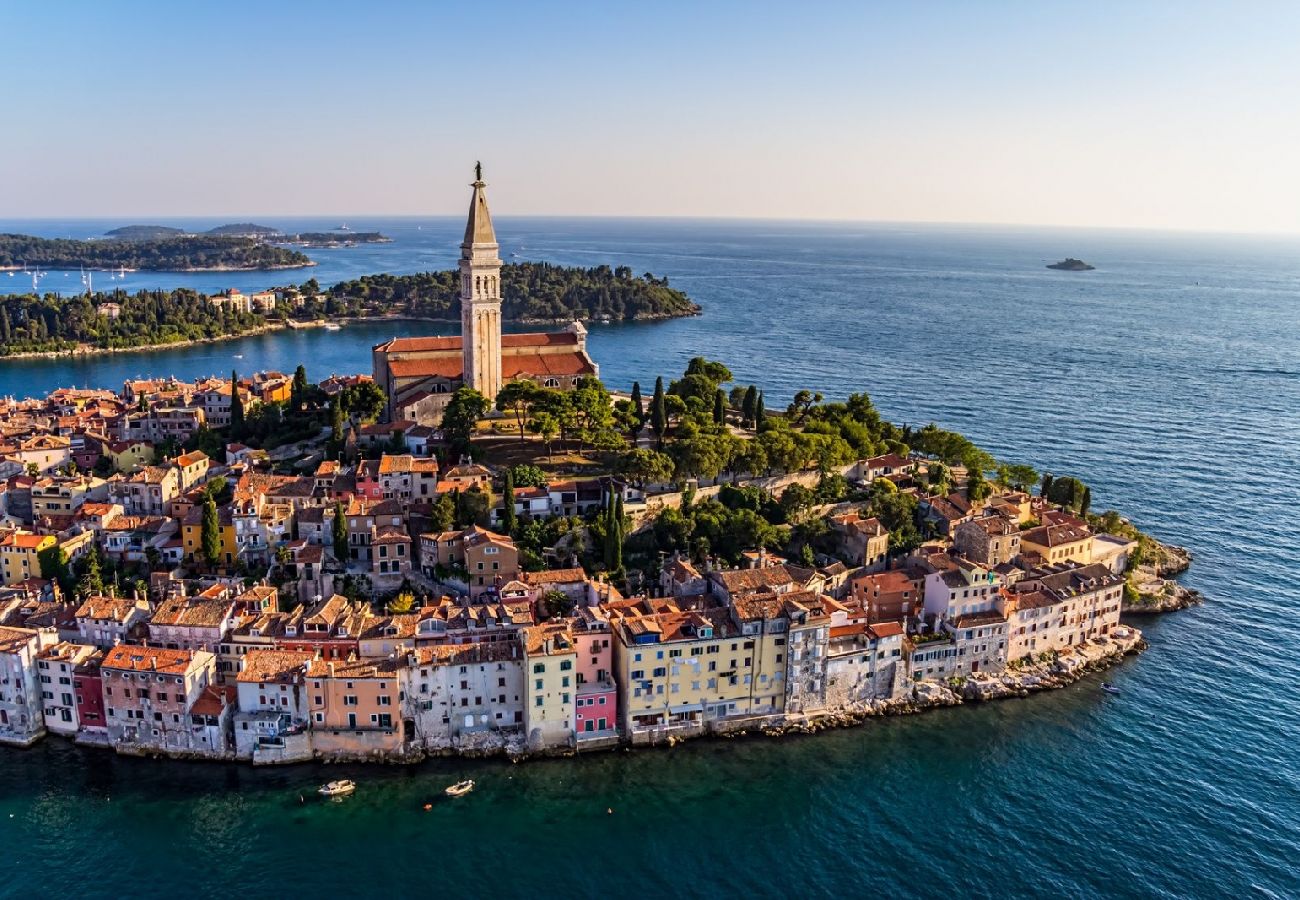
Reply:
x=460, y=788
x=1109, y=688
x=337, y=788
x=331, y=326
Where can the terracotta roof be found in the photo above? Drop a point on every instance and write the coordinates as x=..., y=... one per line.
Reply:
x=149, y=659
x=258, y=666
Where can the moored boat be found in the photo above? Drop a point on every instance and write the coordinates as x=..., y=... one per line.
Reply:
x=1109, y=688
x=460, y=788
x=337, y=788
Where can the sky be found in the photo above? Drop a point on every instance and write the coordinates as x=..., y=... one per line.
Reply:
x=1150, y=115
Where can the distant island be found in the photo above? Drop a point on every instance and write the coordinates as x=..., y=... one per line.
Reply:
x=1070, y=264
x=112, y=321
x=189, y=253
x=337, y=238
x=145, y=232
x=530, y=291
x=245, y=229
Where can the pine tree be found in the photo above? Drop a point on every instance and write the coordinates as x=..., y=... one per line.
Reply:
x=340, y=533
x=719, y=407
x=236, y=407
x=210, y=532
x=508, y=504
x=659, y=413
x=638, y=406
x=748, y=406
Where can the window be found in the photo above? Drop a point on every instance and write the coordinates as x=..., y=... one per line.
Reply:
x=566, y=665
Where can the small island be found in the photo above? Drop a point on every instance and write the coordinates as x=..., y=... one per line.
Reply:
x=145, y=232
x=187, y=253
x=337, y=238
x=245, y=229
x=1070, y=264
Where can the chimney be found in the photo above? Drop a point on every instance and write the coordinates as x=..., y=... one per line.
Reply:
x=331, y=668
x=153, y=663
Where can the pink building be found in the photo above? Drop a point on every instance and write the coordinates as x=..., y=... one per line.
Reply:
x=596, y=696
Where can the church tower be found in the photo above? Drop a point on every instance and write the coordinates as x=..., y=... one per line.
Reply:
x=480, y=296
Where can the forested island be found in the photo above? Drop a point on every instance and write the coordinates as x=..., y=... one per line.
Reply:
x=189, y=253
x=337, y=238
x=118, y=320
x=530, y=291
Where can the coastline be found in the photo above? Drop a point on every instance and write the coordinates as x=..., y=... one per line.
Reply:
x=1065, y=669
x=86, y=350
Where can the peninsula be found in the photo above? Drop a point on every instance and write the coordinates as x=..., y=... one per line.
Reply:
x=266, y=569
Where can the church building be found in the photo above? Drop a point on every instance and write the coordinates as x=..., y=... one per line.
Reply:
x=419, y=374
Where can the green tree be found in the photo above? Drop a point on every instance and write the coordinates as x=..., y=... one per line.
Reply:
x=54, y=567
x=643, y=466
x=748, y=406
x=1085, y=501
x=467, y=406
x=715, y=372
x=443, y=515
x=236, y=407
x=803, y=403
x=403, y=603
x=1046, y=486
x=760, y=414
x=91, y=582
x=525, y=475
x=516, y=398
x=210, y=532
x=508, y=520
x=336, y=424
x=638, y=405
x=340, y=533
x=298, y=390
x=545, y=425
x=719, y=407
x=659, y=413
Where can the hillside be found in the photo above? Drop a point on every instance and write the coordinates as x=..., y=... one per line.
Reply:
x=530, y=292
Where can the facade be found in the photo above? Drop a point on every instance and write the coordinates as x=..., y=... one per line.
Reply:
x=22, y=719
x=149, y=696
x=988, y=540
x=550, y=685
x=56, y=666
x=271, y=722
x=463, y=695
x=355, y=707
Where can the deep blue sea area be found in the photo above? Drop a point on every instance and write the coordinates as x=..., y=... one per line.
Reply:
x=1168, y=379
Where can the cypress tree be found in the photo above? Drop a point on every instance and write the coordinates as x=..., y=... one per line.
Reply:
x=298, y=392
x=638, y=406
x=618, y=533
x=749, y=405
x=659, y=413
x=336, y=425
x=340, y=533
x=760, y=414
x=236, y=406
x=719, y=407
x=210, y=532
x=1085, y=501
x=508, y=503
x=1046, y=485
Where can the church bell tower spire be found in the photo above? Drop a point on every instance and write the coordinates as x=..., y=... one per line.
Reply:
x=480, y=296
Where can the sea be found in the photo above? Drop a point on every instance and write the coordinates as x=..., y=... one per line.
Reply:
x=1168, y=379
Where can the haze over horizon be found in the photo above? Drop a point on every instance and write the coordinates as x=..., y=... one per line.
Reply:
x=1164, y=116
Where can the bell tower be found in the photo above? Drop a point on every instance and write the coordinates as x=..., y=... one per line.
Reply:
x=480, y=296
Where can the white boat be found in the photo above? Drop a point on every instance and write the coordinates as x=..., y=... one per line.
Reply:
x=460, y=788
x=1109, y=688
x=337, y=788
x=332, y=326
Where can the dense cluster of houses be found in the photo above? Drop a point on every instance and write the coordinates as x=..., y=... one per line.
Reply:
x=203, y=664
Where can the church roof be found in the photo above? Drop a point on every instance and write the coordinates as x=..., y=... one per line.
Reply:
x=514, y=362
x=478, y=229
x=452, y=343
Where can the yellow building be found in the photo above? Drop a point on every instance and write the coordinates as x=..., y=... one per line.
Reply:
x=19, y=555
x=63, y=496
x=128, y=456
x=1058, y=543
x=192, y=534
x=680, y=671
x=550, y=683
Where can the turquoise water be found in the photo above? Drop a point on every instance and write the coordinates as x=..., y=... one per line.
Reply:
x=1169, y=379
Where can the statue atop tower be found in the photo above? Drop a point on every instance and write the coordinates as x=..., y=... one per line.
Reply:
x=480, y=296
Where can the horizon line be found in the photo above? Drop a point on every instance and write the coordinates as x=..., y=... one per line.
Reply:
x=795, y=220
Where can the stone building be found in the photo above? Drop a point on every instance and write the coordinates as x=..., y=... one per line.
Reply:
x=419, y=374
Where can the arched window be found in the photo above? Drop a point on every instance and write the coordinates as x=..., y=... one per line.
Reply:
x=551, y=383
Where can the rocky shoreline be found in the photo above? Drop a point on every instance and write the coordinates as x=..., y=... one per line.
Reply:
x=1158, y=591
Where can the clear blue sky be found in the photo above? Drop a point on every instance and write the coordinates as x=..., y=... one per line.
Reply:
x=1181, y=115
